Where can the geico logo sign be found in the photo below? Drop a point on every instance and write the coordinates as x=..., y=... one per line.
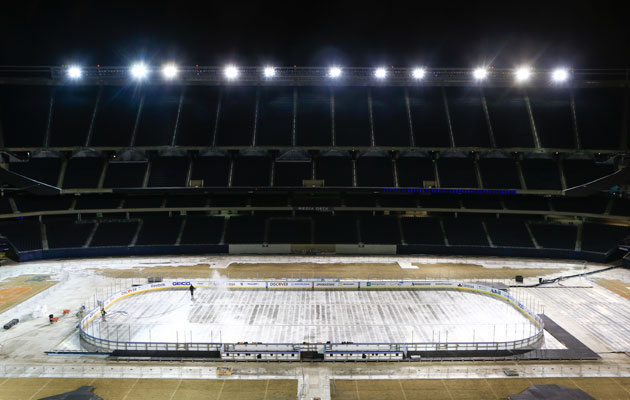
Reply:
x=181, y=283
x=278, y=284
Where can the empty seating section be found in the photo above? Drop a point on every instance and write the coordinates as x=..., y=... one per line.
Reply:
x=125, y=174
x=527, y=203
x=482, y=202
x=335, y=230
x=288, y=231
x=159, y=231
x=465, y=231
x=114, y=234
x=168, y=172
x=202, y=230
x=389, y=113
x=499, y=173
x=594, y=205
x=143, y=202
x=314, y=117
x=551, y=110
x=186, y=201
x=470, y=128
x=335, y=171
x=64, y=233
x=352, y=117
x=44, y=170
x=73, y=108
x=82, y=172
x=508, y=232
x=602, y=238
x=600, y=117
x=212, y=170
x=158, y=116
x=24, y=114
x=291, y=173
x=24, y=234
x=5, y=205
x=457, y=173
x=245, y=230
x=274, y=126
x=414, y=171
x=508, y=117
x=26, y=204
x=428, y=117
x=375, y=172
x=116, y=116
x=422, y=231
x=579, y=172
x=358, y=200
x=252, y=171
x=197, y=117
x=379, y=230
x=621, y=207
x=236, y=116
x=555, y=236
x=97, y=203
x=541, y=174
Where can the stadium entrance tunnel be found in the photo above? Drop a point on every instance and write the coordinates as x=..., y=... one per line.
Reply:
x=311, y=320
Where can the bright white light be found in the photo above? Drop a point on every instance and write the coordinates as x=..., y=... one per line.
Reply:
x=334, y=72
x=74, y=72
x=231, y=72
x=418, y=73
x=269, y=72
x=523, y=74
x=480, y=73
x=560, y=75
x=380, y=73
x=139, y=71
x=169, y=71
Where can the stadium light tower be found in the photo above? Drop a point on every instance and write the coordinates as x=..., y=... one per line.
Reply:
x=418, y=73
x=269, y=72
x=523, y=74
x=560, y=75
x=380, y=73
x=480, y=73
x=139, y=71
x=169, y=71
x=334, y=72
x=74, y=72
x=231, y=72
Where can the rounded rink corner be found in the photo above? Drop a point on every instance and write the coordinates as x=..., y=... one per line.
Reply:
x=312, y=320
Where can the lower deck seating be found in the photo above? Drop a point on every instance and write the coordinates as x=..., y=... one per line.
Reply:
x=114, y=234
x=555, y=236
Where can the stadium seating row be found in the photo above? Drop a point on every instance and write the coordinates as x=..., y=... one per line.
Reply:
x=457, y=170
x=512, y=232
x=84, y=116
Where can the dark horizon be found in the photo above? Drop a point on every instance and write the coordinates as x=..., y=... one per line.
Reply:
x=576, y=34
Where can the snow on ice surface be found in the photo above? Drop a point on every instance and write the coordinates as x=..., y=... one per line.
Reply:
x=295, y=316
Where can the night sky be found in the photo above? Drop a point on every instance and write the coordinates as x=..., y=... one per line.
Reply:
x=439, y=34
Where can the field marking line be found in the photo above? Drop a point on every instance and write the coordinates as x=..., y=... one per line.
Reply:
x=176, y=389
x=446, y=388
x=130, y=389
x=402, y=390
x=221, y=390
x=40, y=389
x=491, y=389
x=619, y=384
x=266, y=387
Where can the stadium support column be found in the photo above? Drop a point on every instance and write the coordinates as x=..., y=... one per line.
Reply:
x=215, y=131
x=88, y=241
x=532, y=123
x=485, y=229
x=531, y=235
x=101, y=179
x=451, y=138
x=180, y=233
x=147, y=174
x=519, y=169
x=49, y=120
x=256, y=107
x=412, y=139
x=576, y=132
x=332, y=118
x=179, y=111
x=477, y=171
x=134, y=240
x=132, y=141
x=443, y=229
x=62, y=172
x=371, y=115
x=563, y=180
x=88, y=139
x=294, y=124
x=486, y=113
x=42, y=227
x=578, y=238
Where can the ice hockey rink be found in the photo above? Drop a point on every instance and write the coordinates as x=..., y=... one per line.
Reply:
x=231, y=316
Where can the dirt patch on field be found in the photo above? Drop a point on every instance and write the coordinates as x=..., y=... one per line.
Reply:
x=615, y=286
x=14, y=291
x=332, y=270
